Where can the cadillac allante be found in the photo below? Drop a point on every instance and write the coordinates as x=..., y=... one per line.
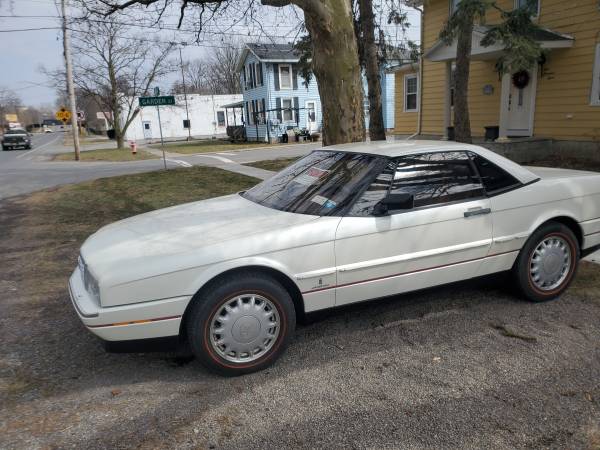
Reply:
x=344, y=224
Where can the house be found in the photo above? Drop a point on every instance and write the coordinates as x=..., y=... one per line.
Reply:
x=277, y=98
x=558, y=99
x=207, y=116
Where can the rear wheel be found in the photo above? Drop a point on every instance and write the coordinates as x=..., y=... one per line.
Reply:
x=241, y=324
x=547, y=263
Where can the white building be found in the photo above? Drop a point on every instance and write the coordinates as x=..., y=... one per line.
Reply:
x=207, y=117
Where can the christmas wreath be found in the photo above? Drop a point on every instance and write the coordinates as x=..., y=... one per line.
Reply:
x=521, y=79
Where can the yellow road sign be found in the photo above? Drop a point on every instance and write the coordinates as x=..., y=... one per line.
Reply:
x=63, y=114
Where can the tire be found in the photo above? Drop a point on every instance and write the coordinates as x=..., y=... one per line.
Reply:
x=255, y=294
x=547, y=263
x=4, y=148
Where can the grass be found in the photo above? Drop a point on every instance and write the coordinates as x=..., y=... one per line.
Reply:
x=210, y=146
x=273, y=164
x=107, y=154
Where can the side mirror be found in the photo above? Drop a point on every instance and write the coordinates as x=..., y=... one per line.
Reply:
x=395, y=202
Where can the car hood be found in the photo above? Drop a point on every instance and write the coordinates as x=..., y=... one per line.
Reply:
x=179, y=231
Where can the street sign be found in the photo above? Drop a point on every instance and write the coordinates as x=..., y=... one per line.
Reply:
x=63, y=114
x=157, y=101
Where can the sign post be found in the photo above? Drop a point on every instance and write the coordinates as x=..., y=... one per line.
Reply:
x=158, y=101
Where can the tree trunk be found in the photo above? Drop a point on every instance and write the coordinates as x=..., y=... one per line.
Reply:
x=337, y=71
x=376, y=122
x=462, y=121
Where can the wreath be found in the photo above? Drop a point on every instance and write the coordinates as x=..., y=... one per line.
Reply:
x=521, y=79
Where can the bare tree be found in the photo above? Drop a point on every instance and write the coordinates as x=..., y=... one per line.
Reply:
x=9, y=104
x=223, y=70
x=115, y=68
x=334, y=53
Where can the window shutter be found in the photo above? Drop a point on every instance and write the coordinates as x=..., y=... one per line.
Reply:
x=247, y=121
x=260, y=73
x=264, y=110
x=297, y=109
x=276, y=77
x=278, y=106
x=244, y=78
x=295, y=76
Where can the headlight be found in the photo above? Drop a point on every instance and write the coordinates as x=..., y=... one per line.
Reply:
x=90, y=283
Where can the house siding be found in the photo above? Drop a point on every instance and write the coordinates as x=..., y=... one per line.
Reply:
x=562, y=109
x=405, y=122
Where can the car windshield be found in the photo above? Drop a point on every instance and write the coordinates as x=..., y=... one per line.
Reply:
x=16, y=132
x=323, y=183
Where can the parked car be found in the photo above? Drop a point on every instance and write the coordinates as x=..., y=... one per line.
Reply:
x=344, y=224
x=15, y=138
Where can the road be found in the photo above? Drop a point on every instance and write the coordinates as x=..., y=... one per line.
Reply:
x=24, y=171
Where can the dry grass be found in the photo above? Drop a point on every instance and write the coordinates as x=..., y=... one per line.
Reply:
x=273, y=164
x=107, y=154
x=211, y=146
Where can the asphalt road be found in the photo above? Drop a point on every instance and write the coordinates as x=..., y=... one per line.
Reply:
x=24, y=171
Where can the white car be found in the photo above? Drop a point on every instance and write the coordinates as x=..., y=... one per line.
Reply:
x=344, y=224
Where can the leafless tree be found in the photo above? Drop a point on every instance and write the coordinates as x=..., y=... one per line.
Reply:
x=215, y=74
x=9, y=104
x=115, y=68
x=334, y=51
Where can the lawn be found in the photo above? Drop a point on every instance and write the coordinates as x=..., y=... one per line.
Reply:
x=210, y=146
x=107, y=154
x=273, y=164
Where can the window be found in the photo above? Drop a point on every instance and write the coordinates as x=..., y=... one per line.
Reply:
x=288, y=112
x=376, y=192
x=596, y=80
x=323, y=183
x=411, y=93
x=258, y=74
x=437, y=178
x=533, y=4
x=495, y=180
x=221, y=118
x=453, y=5
x=251, y=113
x=248, y=77
x=285, y=76
x=186, y=123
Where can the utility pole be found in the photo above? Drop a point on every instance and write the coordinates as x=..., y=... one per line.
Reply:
x=187, y=113
x=70, y=87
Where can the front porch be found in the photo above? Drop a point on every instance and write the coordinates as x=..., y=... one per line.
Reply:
x=512, y=112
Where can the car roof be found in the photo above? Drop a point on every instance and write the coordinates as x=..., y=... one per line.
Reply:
x=394, y=149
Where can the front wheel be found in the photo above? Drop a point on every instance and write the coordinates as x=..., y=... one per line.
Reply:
x=547, y=263
x=241, y=324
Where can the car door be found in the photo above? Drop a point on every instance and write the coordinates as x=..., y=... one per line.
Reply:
x=442, y=239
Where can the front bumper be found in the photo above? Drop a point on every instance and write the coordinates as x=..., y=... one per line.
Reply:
x=147, y=320
x=15, y=144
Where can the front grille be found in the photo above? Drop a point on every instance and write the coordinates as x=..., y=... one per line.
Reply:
x=89, y=282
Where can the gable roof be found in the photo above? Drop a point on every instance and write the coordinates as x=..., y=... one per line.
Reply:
x=269, y=53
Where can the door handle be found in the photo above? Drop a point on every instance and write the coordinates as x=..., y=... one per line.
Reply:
x=477, y=212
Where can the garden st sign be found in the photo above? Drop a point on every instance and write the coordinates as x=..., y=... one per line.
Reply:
x=164, y=100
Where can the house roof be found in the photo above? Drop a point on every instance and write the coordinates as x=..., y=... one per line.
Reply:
x=547, y=39
x=269, y=53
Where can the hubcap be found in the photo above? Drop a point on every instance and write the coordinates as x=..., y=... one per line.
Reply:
x=244, y=328
x=550, y=263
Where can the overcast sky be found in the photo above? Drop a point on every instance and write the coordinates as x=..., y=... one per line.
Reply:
x=23, y=53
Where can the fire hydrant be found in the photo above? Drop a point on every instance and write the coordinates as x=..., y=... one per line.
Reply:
x=133, y=146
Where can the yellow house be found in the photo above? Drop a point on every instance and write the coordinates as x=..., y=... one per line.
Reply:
x=558, y=99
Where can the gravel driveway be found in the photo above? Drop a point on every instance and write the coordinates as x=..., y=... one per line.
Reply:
x=462, y=366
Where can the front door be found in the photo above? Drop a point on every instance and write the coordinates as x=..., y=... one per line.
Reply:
x=311, y=116
x=521, y=103
x=441, y=239
x=146, y=125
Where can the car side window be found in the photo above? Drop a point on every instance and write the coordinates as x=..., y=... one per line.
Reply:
x=437, y=178
x=494, y=178
x=376, y=192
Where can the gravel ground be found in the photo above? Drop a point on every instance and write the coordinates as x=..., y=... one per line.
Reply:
x=462, y=366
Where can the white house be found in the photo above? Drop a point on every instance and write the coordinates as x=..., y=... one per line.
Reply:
x=207, y=114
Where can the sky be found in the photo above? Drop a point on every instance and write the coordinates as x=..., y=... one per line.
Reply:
x=22, y=54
